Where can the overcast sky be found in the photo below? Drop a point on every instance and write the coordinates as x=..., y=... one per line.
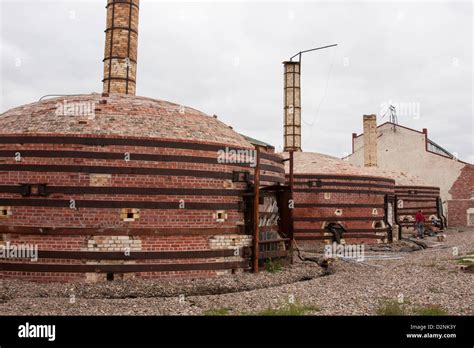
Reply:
x=225, y=58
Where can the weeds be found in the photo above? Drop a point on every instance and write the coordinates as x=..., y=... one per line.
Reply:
x=295, y=309
x=217, y=312
x=273, y=266
x=435, y=310
x=391, y=308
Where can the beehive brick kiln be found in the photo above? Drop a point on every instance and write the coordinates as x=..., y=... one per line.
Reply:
x=113, y=185
x=366, y=205
x=328, y=190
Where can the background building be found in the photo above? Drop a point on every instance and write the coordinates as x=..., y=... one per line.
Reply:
x=400, y=148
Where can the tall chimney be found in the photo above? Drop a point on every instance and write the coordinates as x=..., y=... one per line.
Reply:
x=121, y=40
x=292, y=107
x=370, y=140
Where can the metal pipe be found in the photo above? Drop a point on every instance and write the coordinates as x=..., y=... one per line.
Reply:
x=385, y=218
x=310, y=50
x=397, y=222
x=291, y=227
x=256, y=216
x=439, y=209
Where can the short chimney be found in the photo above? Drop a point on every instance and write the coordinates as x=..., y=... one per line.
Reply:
x=354, y=135
x=121, y=43
x=292, y=107
x=370, y=140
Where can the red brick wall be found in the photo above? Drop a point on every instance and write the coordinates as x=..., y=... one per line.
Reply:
x=88, y=217
x=416, y=198
x=98, y=219
x=462, y=193
x=463, y=187
x=357, y=208
x=79, y=243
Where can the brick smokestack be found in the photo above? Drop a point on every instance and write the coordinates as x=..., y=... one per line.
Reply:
x=370, y=140
x=121, y=41
x=292, y=106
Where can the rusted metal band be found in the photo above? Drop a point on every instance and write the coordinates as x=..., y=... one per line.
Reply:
x=126, y=268
x=134, y=255
x=22, y=139
x=273, y=241
x=149, y=191
x=407, y=224
x=416, y=208
x=125, y=2
x=400, y=187
x=342, y=177
x=115, y=170
x=342, y=183
x=418, y=194
x=271, y=157
x=111, y=45
x=133, y=157
x=128, y=44
x=348, y=231
x=118, y=57
x=118, y=231
x=118, y=78
x=414, y=199
x=322, y=190
x=355, y=236
x=337, y=205
x=128, y=170
x=337, y=218
x=116, y=204
x=408, y=198
x=121, y=28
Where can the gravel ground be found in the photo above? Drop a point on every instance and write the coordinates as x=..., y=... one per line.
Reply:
x=424, y=278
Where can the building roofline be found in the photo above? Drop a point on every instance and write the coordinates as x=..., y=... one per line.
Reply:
x=254, y=141
x=393, y=124
x=417, y=131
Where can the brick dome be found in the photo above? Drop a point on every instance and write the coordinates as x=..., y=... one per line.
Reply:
x=87, y=177
x=317, y=163
x=118, y=115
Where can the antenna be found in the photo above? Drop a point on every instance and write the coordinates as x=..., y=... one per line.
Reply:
x=310, y=50
x=393, y=117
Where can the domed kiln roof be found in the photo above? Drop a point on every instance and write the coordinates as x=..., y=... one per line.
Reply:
x=401, y=178
x=319, y=164
x=118, y=115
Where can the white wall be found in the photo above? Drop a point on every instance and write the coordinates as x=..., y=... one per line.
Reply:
x=404, y=150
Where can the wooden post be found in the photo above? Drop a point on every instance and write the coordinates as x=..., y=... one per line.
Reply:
x=291, y=231
x=256, y=216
